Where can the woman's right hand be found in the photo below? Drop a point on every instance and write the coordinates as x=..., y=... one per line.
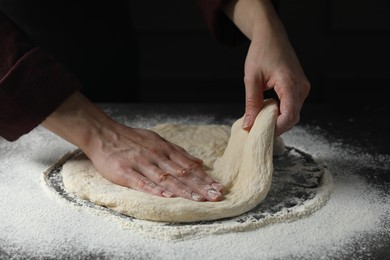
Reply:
x=132, y=157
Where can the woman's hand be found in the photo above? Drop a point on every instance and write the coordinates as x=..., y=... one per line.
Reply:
x=144, y=161
x=132, y=157
x=270, y=63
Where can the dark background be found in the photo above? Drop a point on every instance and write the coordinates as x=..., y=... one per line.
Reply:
x=343, y=47
x=161, y=51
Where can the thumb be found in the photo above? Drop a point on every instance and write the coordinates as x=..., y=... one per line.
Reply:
x=253, y=101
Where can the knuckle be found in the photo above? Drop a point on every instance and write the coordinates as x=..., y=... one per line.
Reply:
x=251, y=103
x=142, y=183
x=306, y=87
x=162, y=161
x=188, y=169
x=151, y=134
x=249, y=80
x=182, y=172
x=146, y=185
x=190, y=166
x=306, y=84
x=294, y=118
x=167, y=148
x=163, y=177
x=180, y=149
x=252, y=106
x=301, y=85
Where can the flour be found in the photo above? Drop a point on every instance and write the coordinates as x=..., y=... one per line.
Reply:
x=354, y=223
x=241, y=161
x=299, y=187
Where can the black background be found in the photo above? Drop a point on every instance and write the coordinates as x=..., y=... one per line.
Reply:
x=343, y=47
x=161, y=51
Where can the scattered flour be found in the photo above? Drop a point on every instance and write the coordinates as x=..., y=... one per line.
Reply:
x=354, y=224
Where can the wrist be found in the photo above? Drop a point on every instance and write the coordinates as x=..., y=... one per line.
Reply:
x=253, y=17
x=77, y=120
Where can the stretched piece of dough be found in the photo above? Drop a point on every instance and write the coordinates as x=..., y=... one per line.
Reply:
x=245, y=169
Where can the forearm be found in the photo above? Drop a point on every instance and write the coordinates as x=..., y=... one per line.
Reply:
x=255, y=18
x=271, y=62
x=78, y=121
x=131, y=157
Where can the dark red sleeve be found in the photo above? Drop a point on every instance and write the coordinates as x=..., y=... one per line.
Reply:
x=32, y=83
x=220, y=26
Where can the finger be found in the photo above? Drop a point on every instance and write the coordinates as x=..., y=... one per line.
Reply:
x=186, y=174
x=286, y=120
x=185, y=153
x=212, y=184
x=133, y=179
x=201, y=174
x=164, y=180
x=197, y=170
x=170, y=183
x=289, y=111
x=253, y=100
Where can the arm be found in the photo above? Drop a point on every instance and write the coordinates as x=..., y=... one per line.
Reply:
x=271, y=61
x=35, y=89
x=32, y=83
x=131, y=157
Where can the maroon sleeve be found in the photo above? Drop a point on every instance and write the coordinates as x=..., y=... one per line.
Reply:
x=32, y=83
x=220, y=26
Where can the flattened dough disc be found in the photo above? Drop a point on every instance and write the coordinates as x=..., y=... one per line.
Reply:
x=245, y=169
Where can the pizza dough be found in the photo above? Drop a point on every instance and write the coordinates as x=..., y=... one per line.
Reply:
x=241, y=161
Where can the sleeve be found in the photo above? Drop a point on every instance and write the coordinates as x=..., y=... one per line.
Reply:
x=32, y=83
x=219, y=25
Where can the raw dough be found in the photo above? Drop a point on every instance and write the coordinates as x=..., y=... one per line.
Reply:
x=245, y=168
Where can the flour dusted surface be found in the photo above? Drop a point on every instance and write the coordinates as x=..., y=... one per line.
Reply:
x=354, y=224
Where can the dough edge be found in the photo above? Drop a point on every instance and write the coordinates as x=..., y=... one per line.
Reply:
x=245, y=190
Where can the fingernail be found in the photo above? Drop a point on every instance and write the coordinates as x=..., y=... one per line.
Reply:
x=195, y=196
x=246, y=123
x=213, y=194
x=167, y=194
x=217, y=186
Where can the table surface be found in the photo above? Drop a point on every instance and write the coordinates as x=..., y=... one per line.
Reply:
x=367, y=129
